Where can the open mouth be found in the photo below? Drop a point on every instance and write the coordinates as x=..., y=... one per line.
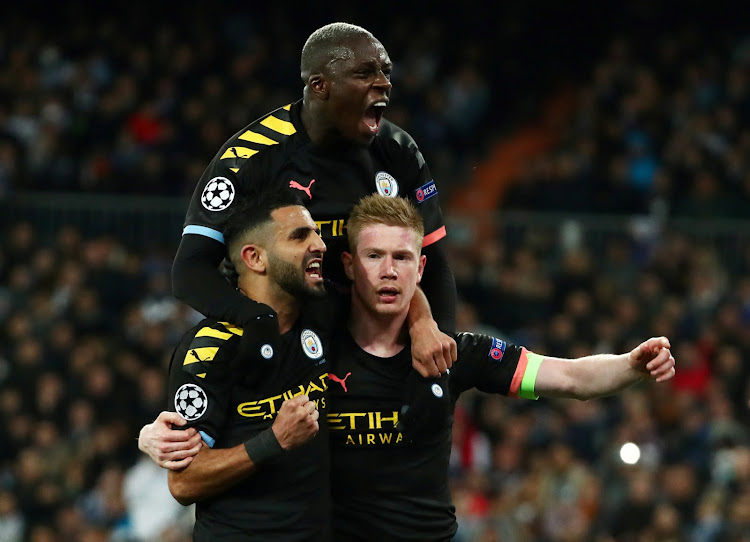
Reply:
x=314, y=270
x=374, y=114
x=388, y=295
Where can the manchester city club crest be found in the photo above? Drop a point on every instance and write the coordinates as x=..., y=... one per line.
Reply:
x=386, y=185
x=311, y=344
x=266, y=351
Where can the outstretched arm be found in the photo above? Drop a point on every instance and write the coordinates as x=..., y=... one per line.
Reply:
x=604, y=374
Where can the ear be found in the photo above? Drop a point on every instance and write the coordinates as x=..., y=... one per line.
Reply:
x=420, y=267
x=318, y=85
x=348, y=260
x=254, y=257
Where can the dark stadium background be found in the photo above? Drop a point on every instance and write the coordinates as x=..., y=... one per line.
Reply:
x=593, y=161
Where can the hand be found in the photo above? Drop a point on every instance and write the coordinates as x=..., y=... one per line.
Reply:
x=433, y=352
x=169, y=448
x=296, y=422
x=653, y=357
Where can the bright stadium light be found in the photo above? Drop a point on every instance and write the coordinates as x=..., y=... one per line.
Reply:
x=630, y=453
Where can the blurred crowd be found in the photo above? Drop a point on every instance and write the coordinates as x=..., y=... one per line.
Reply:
x=136, y=100
x=659, y=127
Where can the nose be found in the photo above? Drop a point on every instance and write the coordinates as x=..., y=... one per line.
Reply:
x=388, y=270
x=382, y=81
x=318, y=245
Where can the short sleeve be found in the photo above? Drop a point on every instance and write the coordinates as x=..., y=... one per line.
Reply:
x=200, y=379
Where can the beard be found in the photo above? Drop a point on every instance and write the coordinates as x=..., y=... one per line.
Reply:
x=292, y=279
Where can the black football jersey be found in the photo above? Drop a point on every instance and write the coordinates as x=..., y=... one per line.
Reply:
x=230, y=400
x=275, y=153
x=386, y=483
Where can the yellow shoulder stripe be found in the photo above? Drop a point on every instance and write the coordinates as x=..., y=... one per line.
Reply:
x=255, y=137
x=195, y=355
x=211, y=332
x=277, y=125
x=287, y=107
x=238, y=152
x=232, y=328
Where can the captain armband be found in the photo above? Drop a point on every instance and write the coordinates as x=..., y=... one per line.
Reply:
x=533, y=362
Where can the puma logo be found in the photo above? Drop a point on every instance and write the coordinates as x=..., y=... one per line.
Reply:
x=305, y=189
x=335, y=378
x=195, y=354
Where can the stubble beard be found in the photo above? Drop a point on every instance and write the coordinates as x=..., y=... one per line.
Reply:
x=292, y=279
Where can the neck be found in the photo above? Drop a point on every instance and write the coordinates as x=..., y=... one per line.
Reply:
x=285, y=305
x=323, y=133
x=381, y=335
x=316, y=130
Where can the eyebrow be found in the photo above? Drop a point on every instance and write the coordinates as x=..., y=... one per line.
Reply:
x=302, y=232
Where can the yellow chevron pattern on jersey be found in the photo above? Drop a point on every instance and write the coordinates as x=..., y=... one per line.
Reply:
x=277, y=125
x=255, y=137
x=211, y=332
x=197, y=355
x=238, y=152
x=233, y=329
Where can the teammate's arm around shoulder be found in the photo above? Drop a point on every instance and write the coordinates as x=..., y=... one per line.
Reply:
x=433, y=352
x=214, y=470
x=604, y=374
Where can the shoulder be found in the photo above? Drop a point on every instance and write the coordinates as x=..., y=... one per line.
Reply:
x=263, y=133
x=207, y=343
x=395, y=141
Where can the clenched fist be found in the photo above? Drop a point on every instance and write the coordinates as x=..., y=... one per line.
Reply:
x=296, y=422
x=653, y=357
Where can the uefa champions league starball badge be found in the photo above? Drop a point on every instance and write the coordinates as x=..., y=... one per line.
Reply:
x=218, y=194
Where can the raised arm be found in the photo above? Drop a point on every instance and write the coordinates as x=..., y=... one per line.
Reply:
x=604, y=374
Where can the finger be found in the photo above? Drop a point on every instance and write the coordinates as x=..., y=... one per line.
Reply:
x=666, y=376
x=423, y=370
x=660, y=358
x=177, y=465
x=315, y=416
x=300, y=400
x=442, y=366
x=665, y=367
x=454, y=351
x=447, y=355
x=166, y=418
x=174, y=435
x=176, y=455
